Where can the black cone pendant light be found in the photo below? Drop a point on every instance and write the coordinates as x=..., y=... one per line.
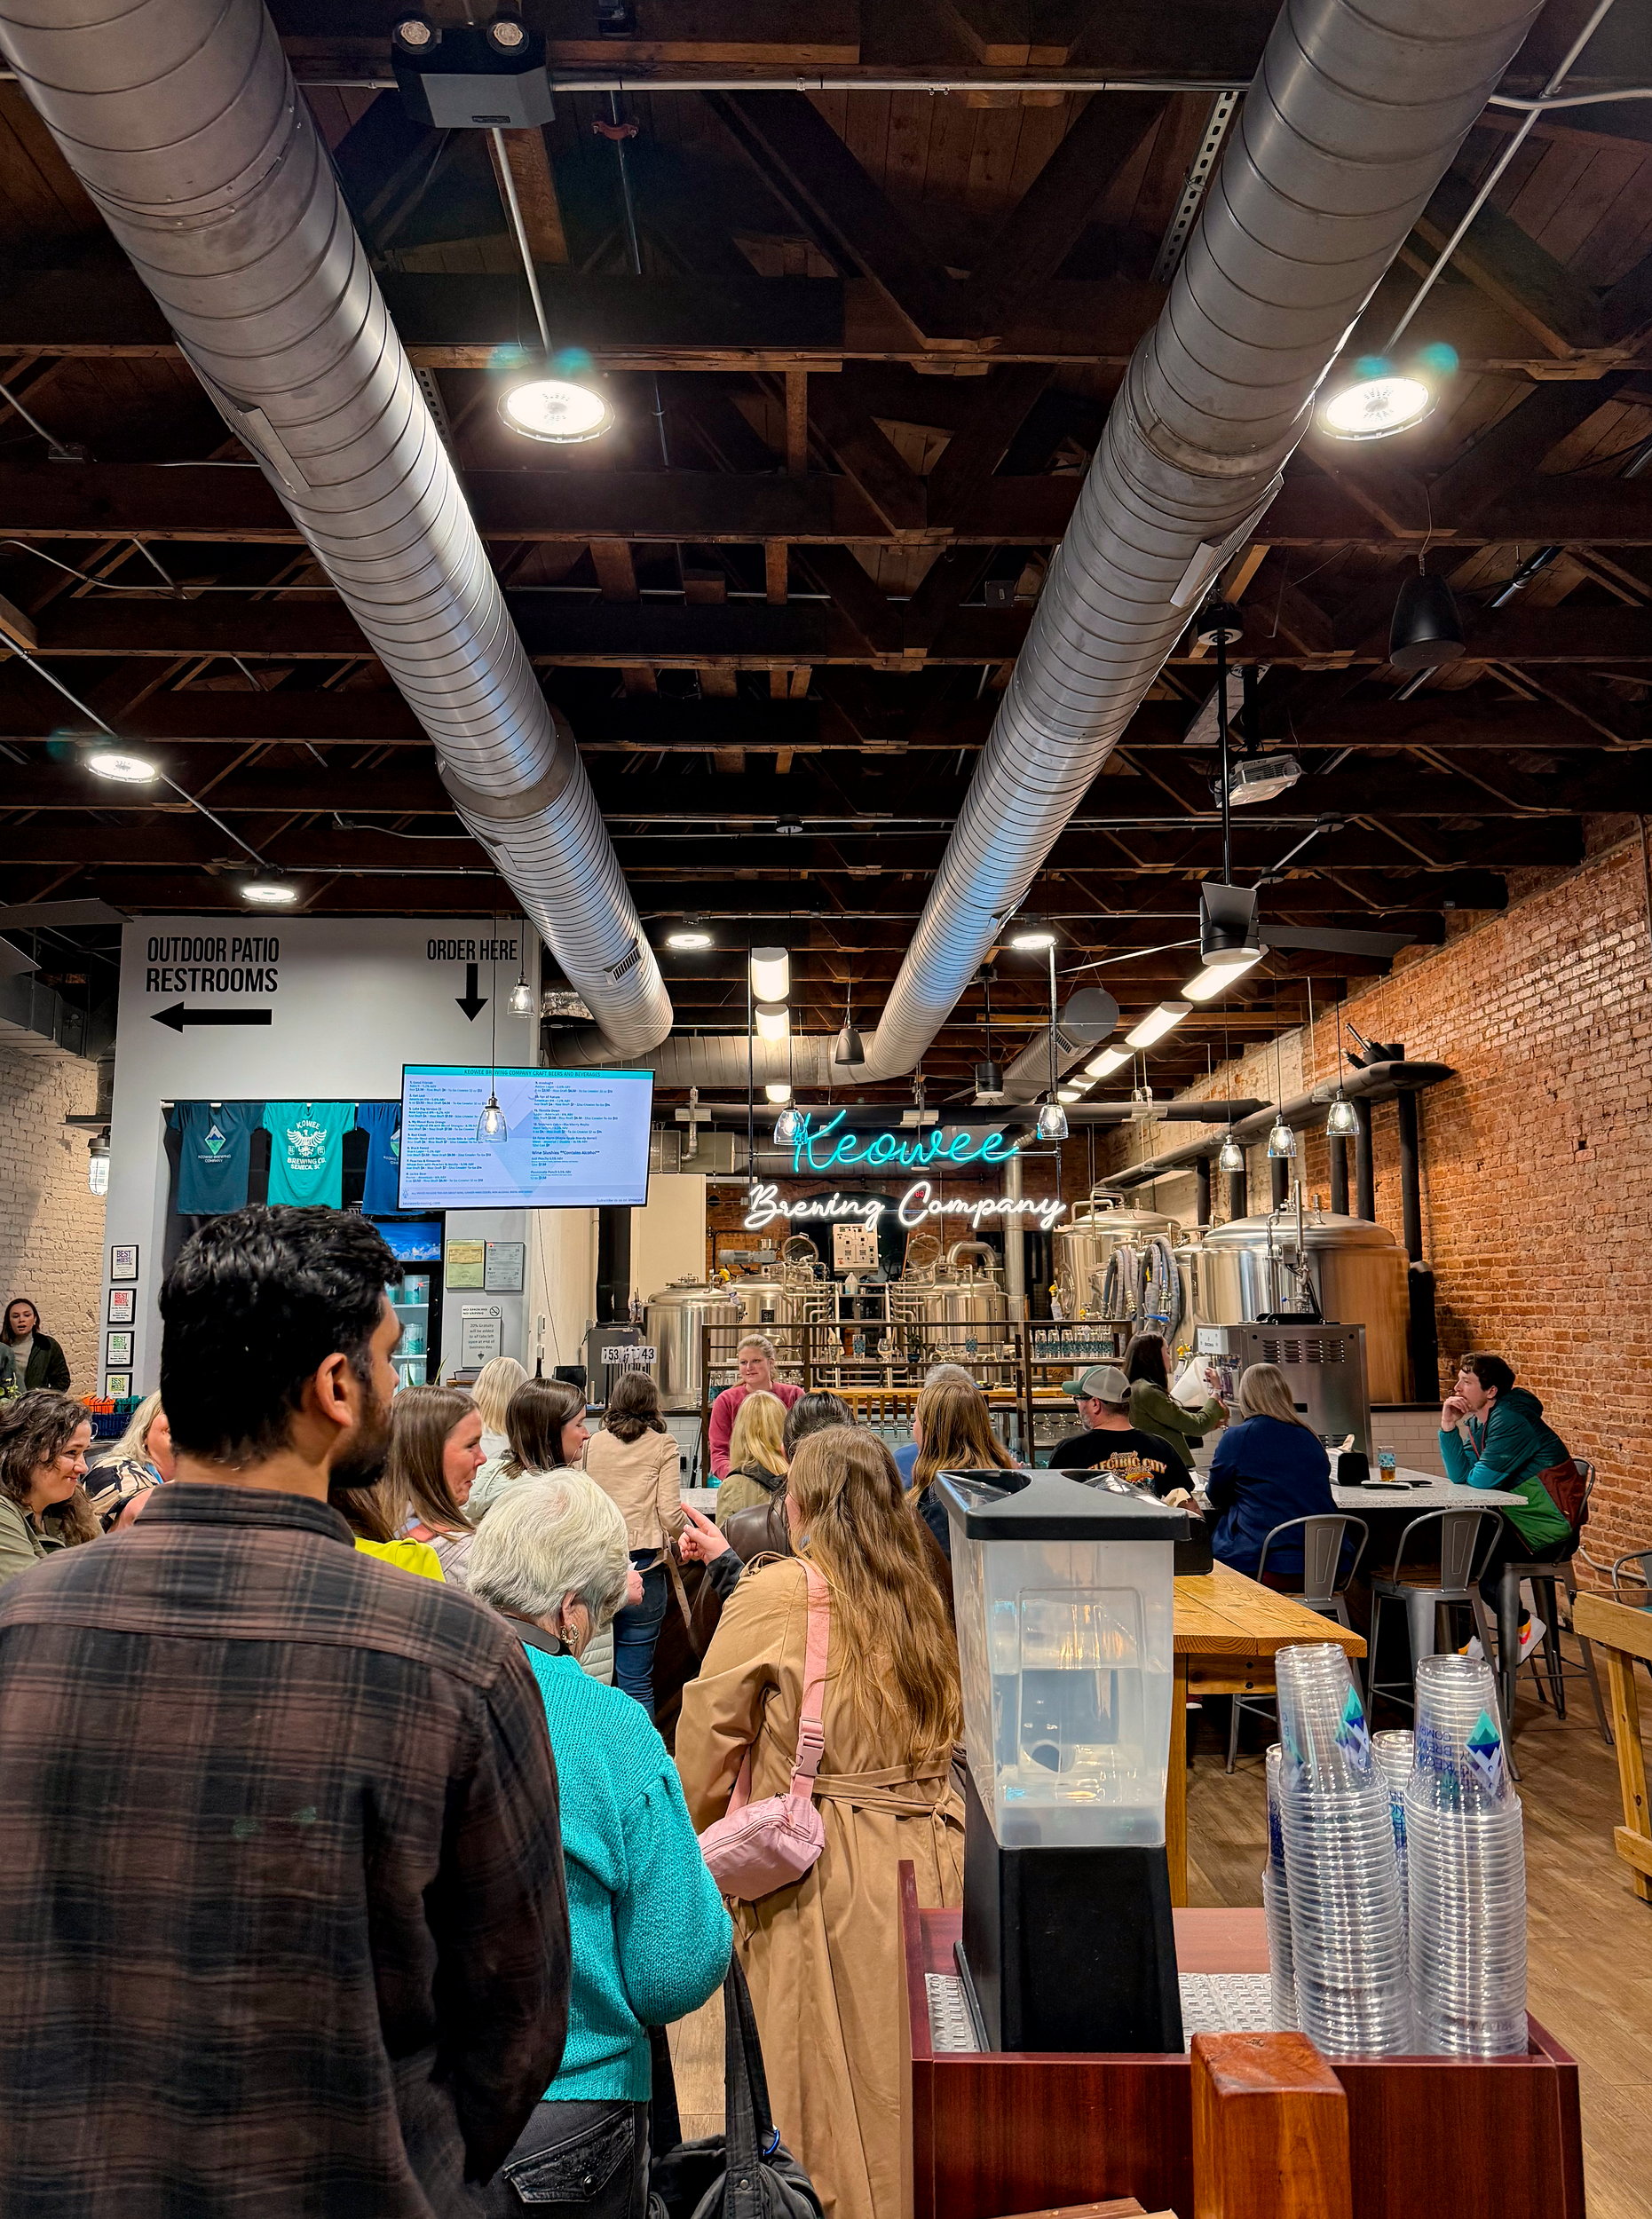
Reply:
x=1426, y=628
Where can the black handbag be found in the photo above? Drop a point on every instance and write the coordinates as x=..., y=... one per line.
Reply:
x=744, y=2173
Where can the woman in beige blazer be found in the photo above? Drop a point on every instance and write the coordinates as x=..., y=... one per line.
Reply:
x=635, y=1462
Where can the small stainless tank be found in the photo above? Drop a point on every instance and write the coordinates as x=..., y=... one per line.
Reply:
x=1249, y=1268
x=675, y=1318
x=1084, y=1246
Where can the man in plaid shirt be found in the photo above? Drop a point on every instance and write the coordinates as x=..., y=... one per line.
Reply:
x=282, y=1927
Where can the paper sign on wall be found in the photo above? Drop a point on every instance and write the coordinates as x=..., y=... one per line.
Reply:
x=467, y=1263
x=854, y=1248
x=481, y=1333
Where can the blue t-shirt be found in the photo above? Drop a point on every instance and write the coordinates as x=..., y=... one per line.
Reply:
x=381, y=1121
x=214, y=1154
x=905, y=1456
x=307, y=1150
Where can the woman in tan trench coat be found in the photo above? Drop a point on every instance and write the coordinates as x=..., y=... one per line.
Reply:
x=823, y=1958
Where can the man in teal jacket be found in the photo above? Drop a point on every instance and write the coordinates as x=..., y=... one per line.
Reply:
x=1492, y=1435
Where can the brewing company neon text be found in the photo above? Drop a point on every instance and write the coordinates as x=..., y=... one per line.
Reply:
x=920, y=1201
x=823, y=1148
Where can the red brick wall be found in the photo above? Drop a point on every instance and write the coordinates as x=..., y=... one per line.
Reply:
x=1536, y=1157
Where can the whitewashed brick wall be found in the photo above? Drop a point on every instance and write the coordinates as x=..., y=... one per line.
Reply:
x=50, y=1224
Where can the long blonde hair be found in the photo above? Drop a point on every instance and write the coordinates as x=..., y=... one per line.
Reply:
x=891, y=1644
x=1264, y=1392
x=759, y=1434
x=495, y=1382
x=957, y=1433
x=133, y=1444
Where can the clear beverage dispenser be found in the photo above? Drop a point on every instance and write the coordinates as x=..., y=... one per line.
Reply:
x=1065, y=1604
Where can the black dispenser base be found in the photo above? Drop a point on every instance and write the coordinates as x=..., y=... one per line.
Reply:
x=1068, y=1948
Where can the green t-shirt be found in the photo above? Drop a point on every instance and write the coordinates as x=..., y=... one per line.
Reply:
x=307, y=1150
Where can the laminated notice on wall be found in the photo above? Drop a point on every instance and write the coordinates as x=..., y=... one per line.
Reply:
x=481, y=1334
x=467, y=1263
x=854, y=1248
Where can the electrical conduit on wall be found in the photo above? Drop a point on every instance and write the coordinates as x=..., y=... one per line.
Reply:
x=181, y=119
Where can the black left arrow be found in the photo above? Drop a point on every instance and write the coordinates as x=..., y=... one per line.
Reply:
x=470, y=1001
x=177, y=1016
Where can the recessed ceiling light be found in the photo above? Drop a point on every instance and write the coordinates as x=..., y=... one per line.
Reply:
x=555, y=410
x=124, y=763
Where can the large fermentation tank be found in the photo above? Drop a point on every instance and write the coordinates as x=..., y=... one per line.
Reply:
x=1096, y=1232
x=1252, y=1267
x=675, y=1318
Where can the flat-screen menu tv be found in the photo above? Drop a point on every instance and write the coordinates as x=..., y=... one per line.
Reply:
x=572, y=1140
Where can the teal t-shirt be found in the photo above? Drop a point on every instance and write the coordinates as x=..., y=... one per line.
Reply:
x=307, y=1150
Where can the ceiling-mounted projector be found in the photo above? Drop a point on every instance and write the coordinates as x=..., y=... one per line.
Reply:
x=1259, y=777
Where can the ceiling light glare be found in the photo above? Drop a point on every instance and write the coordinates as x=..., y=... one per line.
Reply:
x=1107, y=1063
x=555, y=410
x=1216, y=978
x=1031, y=938
x=122, y=763
x=270, y=893
x=687, y=936
x=771, y=973
x=1158, y=1021
x=772, y=1020
x=1376, y=403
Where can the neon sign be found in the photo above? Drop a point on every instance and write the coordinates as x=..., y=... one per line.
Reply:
x=823, y=1148
x=918, y=1203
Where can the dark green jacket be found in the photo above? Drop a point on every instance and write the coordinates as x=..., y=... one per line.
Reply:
x=48, y=1367
x=1508, y=1451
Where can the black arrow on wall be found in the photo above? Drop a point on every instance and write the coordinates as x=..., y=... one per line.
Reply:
x=470, y=1001
x=177, y=1016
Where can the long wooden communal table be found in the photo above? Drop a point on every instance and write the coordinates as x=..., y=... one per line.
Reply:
x=1228, y=1630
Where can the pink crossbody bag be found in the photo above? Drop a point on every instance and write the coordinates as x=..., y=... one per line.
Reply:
x=758, y=1847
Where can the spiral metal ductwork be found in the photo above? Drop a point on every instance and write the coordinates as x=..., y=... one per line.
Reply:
x=181, y=119
x=1355, y=116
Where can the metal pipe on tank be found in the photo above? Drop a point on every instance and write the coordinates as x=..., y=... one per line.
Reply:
x=1339, y=1150
x=1364, y=1169
x=1015, y=1243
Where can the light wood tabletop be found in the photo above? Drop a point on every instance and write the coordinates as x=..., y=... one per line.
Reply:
x=1228, y=1631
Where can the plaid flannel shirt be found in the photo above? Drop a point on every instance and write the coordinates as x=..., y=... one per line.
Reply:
x=282, y=1926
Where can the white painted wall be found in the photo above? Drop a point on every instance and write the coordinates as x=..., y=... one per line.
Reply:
x=351, y=1000
x=669, y=1235
x=561, y=1286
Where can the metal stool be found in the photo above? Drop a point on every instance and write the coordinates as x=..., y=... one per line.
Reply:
x=1323, y=1590
x=1546, y=1580
x=1462, y=1559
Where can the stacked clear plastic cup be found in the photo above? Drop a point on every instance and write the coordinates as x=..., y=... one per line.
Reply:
x=1467, y=1865
x=1277, y=1906
x=1348, y=1937
x=1396, y=1753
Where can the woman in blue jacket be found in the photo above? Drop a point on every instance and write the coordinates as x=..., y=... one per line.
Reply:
x=1268, y=1468
x=649, y=1933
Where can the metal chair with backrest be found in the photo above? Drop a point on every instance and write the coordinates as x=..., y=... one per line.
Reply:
x=1324, y=1588
x=1546, y=1581
x=1466, y=1538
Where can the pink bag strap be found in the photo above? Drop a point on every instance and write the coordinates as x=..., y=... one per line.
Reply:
x=810, y=1730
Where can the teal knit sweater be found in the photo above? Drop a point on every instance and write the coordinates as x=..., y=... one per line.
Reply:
x=649, y=1933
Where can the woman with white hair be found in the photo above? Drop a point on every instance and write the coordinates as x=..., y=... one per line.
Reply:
x=650, y=1937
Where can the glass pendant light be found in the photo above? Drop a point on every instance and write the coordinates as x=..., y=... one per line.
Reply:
x=1232, y=1156
x=522, y=996
x=1052, y=1122
x=1281, y=1141
x=97, y=1164
x=491, y=1125
x=1343, y=1120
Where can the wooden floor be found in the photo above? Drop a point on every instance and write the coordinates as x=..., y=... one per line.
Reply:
x=1591, y=1940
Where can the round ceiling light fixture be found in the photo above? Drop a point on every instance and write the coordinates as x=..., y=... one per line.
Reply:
x=1379, y=400
x=124, y=764
x=689, y=935
x=271, y=891
x=556, y=411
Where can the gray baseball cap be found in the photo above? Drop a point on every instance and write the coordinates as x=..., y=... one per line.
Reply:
x=1103, y=1381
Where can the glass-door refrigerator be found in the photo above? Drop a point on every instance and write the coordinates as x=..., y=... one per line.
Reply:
x=416, y=1295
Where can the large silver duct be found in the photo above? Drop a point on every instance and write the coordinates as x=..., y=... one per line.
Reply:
x=181, y=120
x=1355, y=116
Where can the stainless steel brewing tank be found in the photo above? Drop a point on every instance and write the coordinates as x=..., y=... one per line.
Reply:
x=1084, y=1246
x=1245, y=1270
x=674, y=1317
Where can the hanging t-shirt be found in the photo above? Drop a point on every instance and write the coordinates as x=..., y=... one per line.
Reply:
x=381, y=1121
x=214, y=1154
x=307, y=1150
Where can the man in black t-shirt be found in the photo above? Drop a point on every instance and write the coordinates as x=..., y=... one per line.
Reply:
x=1110, y=1442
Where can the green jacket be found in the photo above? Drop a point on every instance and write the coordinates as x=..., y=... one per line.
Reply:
x=1508, y=1451
x=1153, y=1411
x=22, y=1544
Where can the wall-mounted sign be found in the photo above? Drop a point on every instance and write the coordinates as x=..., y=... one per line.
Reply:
x=827, y=1148
x=633, y=1356
x=481, y=1333
x=919, y=1202
x=854, y=1247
